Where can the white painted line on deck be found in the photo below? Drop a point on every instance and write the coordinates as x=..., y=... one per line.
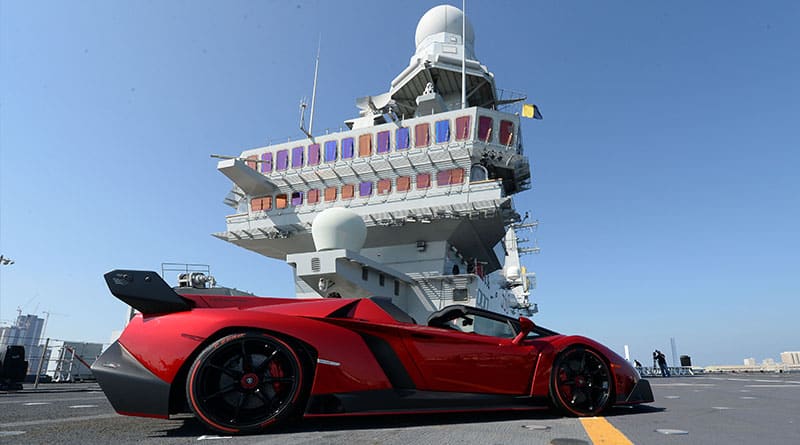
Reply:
x=36, y=403
x=11, y=433
x=83, y=406
x=746, y=398
x=61, y=420
x=70, y=399
x=209, y=437
x=772, y=386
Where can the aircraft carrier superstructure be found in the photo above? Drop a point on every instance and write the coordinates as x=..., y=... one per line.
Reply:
x=413, y=201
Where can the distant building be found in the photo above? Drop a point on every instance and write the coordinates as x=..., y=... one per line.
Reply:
x=27, y=332
x=790, y=358
x=768, y=362
x=750, y=362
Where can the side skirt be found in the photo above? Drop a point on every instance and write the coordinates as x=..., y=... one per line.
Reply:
x=411, y=401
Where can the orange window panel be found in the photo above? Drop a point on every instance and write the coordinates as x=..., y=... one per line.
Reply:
x=384, y=186
x=403, y=183
x=255, y=204
x=251, y=161
x=365, y=145
x=281, y=201
x=506, y=132
x=462, y=128
x=348, y=191
x=423, y=180
x=422, y=135
x=457, y=176
x=313, y=196
x=330, y=194
x=266, y=203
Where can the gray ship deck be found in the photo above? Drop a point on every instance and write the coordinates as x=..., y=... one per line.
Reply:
x=709, y=409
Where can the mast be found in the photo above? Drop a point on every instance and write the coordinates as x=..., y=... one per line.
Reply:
x=463, y=54
x=314, y=91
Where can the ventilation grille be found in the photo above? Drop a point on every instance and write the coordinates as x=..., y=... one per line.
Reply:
x=315, y=265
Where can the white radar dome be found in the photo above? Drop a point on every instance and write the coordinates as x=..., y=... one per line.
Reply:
x=443, y=18
x=338, y=228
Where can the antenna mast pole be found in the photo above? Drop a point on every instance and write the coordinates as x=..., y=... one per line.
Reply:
x=314, y=90
x=463, y=54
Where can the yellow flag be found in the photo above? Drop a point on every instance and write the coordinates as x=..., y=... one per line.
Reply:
x=531, y=111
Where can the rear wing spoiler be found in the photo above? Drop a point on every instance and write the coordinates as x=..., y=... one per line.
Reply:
x=145, y=291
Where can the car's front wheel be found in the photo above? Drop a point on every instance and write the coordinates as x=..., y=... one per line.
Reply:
x=245, y=382
x=580, y=382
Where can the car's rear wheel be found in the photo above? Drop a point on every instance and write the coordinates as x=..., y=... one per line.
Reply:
x=245, y=382
x=581, y=383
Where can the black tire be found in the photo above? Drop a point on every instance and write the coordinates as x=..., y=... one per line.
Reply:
x=244, y=383
x=581, y=382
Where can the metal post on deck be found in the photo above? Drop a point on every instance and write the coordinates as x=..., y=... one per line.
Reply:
x=41, y=362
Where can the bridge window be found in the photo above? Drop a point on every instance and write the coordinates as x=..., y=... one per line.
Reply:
x=347, y=148
x=450, y=177
x=506, y=132
x=384, y=186
x=297, y=157
x=348, y=191
x=282, y=160
x=297, y=198
x=330, y=151
x=251, y=161
x=462, y=128
x=266, y=162
x=442, y=131
x=403, y=183
x=421, y=135
x=383, y=142
x=402, y=138
x=423, y=180
x=485, y=128
x=313, y=154
x=264, y=203
x=365, y=145
x=330, y=194
x=281, y=202
x=313, y=196
x=365, y=189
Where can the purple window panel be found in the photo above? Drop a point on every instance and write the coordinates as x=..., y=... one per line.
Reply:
x=330, y=151
x=297, y=157
x=402, y=138
x=383, y=142
x=282, y=160
x=266, y=163
x=347, y=148
x=297, y=198
x=313, y=154
x=365, y=189
x=485, y=128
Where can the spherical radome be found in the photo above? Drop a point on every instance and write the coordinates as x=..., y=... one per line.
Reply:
x=338, y=228
x=443, y=18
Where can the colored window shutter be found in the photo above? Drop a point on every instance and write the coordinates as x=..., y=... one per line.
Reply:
x=442, y=131
x=282, y=160
x=365, y=145
x=457, y=176
x=403, y=183
x=266, y=203
x=297, y=198
x=423, y=180
x=348, y=191
x=266, y=163
x=347, y=148
x=313, y=196
x=365, y=189
x=421, y=135
x=402, y=138
x=443, y=178
x=330, y=151
x=297, y=157
x=256, y=204
x=313, y=154
x=462, y=128
x=506, y=132
x=251, y=161
x=383, y=142
x=330, y=194
x=484, y=128
x=281, y=201
x=384, y=186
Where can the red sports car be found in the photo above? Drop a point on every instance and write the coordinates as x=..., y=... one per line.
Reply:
x=242, y=364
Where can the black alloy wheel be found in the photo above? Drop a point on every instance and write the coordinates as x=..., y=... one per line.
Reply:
x=244, y=382
x=581, y=383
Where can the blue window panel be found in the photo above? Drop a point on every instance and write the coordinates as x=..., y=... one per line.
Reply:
x=403, y=138
x=383, y=142
x=365, y=189
x=442, y=131
x=330, y=151
x=347, y=148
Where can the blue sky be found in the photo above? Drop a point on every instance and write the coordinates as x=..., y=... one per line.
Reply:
x=665, y=169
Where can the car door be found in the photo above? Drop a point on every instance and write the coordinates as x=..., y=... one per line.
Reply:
x=467, y=362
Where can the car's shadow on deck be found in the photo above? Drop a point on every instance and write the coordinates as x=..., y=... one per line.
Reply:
x=191, y=427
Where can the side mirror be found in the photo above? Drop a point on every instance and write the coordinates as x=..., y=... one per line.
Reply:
x=525, y=327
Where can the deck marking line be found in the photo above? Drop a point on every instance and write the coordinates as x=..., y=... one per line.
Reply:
x=210, y=437
x=601, y=431
x=36, y=403
x=11, y=433
x=83, y=406
x=671, y=432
